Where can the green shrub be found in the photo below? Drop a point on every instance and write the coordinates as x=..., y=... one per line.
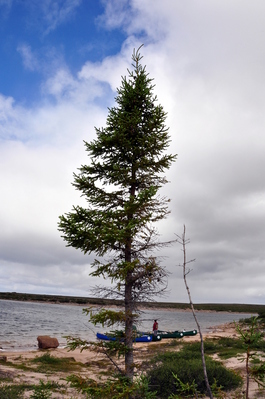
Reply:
x=113, y=388
x=187, y=365
x=48, y=363
x=225, y=347
x=46, y=359
x=11, y=391
x=43, y=391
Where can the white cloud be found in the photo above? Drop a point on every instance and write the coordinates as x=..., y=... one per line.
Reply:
x=55, y=12
x=118, y=13
x=6, y=109
x=83, y=90
x=108, y=71
x=30, y=61
x=37, y=164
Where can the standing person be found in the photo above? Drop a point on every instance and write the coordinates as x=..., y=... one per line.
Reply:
x=155, y=328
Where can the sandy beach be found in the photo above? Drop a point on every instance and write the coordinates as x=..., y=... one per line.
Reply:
x=95, y=363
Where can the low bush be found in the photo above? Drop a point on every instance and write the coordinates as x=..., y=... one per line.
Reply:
x=187, y=365
x=48, y=363
x=47, y=359
x=224, y=347
x=116, y=387
x=42, y=391
x=11, y=391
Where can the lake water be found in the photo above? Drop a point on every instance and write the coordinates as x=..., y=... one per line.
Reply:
x=22, y=322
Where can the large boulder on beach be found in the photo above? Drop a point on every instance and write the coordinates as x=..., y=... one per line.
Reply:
x=46, y=342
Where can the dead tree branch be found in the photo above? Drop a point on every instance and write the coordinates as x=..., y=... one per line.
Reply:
x=183, y=241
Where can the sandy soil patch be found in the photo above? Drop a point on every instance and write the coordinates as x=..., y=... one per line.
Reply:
x=92, y=364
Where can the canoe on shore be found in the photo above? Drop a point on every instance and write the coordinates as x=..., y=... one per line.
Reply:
x=142, y=338
x=176, y=334
x=189, y=333
x=171, y=334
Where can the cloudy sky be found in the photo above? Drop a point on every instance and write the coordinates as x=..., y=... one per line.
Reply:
x=61, y=62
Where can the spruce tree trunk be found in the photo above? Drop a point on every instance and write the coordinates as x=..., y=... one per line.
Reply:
x=247, y=371
x=129, y=366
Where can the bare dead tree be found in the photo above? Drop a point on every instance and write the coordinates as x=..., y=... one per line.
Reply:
x=183, y=242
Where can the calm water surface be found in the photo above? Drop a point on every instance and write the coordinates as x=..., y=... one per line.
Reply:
x=22, y=322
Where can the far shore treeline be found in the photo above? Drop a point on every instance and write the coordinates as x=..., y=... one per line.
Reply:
x=87, y=301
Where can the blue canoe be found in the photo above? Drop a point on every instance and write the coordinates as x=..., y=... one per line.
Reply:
x=143, y=338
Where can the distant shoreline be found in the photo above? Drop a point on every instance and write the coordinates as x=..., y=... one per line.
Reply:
x=88, y=301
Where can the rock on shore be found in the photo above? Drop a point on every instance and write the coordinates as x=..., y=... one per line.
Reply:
x=46, y=342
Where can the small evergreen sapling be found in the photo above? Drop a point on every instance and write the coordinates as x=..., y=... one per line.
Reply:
x=251, y=336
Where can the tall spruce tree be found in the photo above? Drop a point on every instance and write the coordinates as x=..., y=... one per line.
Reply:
x=120, y=184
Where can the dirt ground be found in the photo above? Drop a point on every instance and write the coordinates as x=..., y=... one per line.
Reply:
x=95, y=364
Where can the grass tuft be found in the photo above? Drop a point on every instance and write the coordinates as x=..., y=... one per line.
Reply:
x=47, y=363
